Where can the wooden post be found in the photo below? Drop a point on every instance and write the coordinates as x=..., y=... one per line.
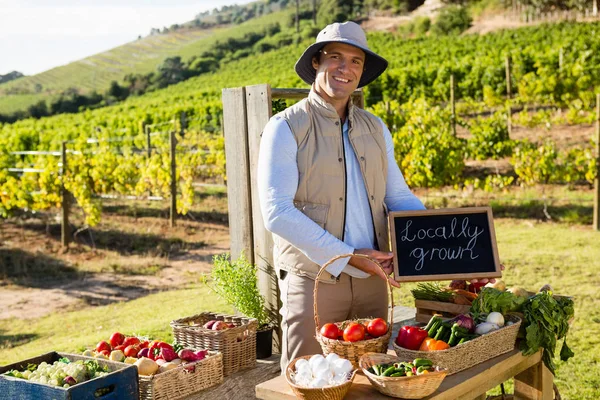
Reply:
x=508, y=80
x=595, y=8
x=297, y=16
x=239, y=200
x=509, y=120
x=597, y=180
x=453, y=104
x=258, y=109
x=148, y=141
x=314, y=5
x=534, y=383
x=173, y=212
x=182, y=123
x=560, y=59
x=64, y=227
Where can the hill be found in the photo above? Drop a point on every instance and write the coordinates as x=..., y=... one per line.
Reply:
x=141, y=56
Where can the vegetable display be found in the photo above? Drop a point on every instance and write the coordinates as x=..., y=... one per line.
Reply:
x=150, y=357
x=61, y=373
x=418, y=366
x=354, y=331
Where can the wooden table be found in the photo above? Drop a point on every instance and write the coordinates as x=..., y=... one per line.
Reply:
x=532, y=379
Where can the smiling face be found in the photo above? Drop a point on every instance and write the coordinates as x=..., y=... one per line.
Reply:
x=339, y=67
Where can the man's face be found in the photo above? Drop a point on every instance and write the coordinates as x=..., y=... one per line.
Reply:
x=339, y=68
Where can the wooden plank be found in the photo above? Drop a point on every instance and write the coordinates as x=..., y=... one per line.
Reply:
x=441, y=306
x=65, y=230
x=467, y=384
x=258, y=109
x=534, y=383
x=173, y=199
x=596, y=219
x=238, y=172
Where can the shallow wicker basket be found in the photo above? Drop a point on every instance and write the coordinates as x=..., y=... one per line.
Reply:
x=184, y=380
x=352, y=351
x=238, y=344
x=406, y=387
x=470, y=353
x=327, y=393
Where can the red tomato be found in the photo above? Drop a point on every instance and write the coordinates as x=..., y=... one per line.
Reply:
x=130, y=340
x=131, y=350
x=105, y=352
x=116, y=339
x=119, y=347
x=377, y=327
x=144, y=344
x=354, y=332
x=103, y=345
x=330, y=331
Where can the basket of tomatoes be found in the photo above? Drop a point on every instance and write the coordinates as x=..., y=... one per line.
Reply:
x=353, y=338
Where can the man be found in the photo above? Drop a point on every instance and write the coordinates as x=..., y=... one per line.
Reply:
x=326, y=177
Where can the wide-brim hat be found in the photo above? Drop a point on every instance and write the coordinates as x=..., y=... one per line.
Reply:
x=349, y=33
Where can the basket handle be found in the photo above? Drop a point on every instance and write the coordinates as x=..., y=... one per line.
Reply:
x=390, y=309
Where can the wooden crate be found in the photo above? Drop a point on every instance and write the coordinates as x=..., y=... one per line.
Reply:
x=122, y=382
x=427, y=308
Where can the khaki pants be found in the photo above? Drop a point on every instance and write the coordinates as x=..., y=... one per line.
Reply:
x=348, y=298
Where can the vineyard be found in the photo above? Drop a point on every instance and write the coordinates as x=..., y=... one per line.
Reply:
x=555, y=75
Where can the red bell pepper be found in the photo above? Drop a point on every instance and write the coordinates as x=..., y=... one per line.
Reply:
x=411, y=337
x=155, y=347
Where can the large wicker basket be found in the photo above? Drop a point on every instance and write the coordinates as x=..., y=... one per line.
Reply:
x=327, y=393
x=470, y=353
x=352, y=351
x=238, y=344
x=405, y=387
x=183, y=381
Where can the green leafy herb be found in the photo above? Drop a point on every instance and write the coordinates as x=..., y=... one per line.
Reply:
x=547, y=321
x=491, y=299
x=431, y=291
x=64, y=360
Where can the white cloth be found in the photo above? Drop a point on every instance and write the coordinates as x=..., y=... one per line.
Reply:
x=277, y=185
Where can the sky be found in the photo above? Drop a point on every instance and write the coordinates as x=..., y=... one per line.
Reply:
x=37, y=35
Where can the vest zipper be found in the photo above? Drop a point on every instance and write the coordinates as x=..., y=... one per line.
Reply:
x=345, y=179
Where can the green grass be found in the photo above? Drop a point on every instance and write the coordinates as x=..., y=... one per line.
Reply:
x=72, y=331
x=568, y=258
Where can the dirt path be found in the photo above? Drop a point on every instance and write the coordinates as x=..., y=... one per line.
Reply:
x=37, y=277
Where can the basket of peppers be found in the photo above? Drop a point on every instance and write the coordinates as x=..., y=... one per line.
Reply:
x=396, y=378
x=452, y=344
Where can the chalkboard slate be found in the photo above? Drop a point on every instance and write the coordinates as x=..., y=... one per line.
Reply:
x=444, y=244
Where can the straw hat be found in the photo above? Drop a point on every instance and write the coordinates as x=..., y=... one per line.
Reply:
x=349, y=33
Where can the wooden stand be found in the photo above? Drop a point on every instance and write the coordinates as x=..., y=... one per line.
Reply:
x=532, y=381
x=426, y=308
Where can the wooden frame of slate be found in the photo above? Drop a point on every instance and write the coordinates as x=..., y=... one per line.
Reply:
x=444, y=244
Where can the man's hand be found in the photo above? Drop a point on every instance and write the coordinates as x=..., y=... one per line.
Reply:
x=485, y=280
x=385, y=259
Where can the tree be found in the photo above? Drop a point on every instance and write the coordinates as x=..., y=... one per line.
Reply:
x=334, y=11
x=171, y=71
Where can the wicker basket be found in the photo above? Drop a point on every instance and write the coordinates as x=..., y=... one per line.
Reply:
x=183, y=381
x=406, y=387
x=352, y=351
x=238, y=344
x=470, y=353
x=327, y=393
